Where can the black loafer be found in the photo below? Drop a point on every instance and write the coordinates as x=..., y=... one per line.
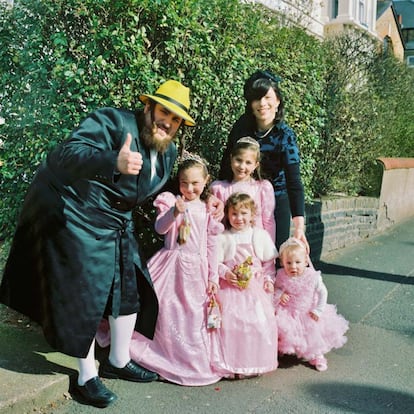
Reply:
x=130, y=372
x=95, y=393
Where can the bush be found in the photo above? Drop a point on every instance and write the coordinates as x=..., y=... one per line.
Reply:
x=367, y=117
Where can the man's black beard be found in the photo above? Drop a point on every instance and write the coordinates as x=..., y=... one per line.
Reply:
x=150, y=140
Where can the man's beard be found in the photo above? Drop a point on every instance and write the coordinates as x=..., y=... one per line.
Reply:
x=152, y=139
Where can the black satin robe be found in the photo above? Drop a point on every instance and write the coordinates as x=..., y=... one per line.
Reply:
x=74, y=248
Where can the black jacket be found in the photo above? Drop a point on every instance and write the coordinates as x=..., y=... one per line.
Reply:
x=75, y=237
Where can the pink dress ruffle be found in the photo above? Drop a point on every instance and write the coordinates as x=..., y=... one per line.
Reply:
x=262, y=193
x=103, y=334
x=181, y=349
x=299, y=334
x=247, y=342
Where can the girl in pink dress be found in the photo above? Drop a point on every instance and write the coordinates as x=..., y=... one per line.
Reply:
x=247, y=341
x=245, y=168
x=184, y=273
x=308, y=326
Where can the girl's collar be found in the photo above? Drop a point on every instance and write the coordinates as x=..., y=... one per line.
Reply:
x=244, y=231
x=250, y=181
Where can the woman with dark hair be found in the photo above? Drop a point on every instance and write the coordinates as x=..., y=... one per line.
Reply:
x=280, y=160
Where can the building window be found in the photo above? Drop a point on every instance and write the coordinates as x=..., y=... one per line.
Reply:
x=334, y=9
x=387, y=47
x=362, y=13
x=410, y=61
x=408, y=35
x=9, y=3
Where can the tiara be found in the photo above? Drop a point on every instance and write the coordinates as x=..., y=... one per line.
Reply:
x=291, y=241
x=186, y=156
x=248, y=140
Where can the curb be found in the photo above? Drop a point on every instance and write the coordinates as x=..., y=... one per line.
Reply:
x=31, y=373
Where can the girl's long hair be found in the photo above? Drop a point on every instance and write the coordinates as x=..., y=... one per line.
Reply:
x=190, y=161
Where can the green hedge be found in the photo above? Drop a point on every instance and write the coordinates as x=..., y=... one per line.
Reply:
x=61, y=59
x=369, y=101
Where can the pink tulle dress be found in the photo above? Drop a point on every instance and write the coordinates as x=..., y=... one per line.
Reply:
x=181, y=349
x=299, y=334
x=247, y=341
x=262, y=193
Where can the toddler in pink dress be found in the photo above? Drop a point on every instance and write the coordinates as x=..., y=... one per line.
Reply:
x=247, y=341
x=184, y=273
x=245, y=167
x=308, y=327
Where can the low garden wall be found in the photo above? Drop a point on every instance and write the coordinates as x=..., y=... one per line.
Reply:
x=396, y=201
x=335, y=222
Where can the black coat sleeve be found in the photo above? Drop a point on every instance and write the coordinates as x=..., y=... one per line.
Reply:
x=295, y=189
x=92, y=148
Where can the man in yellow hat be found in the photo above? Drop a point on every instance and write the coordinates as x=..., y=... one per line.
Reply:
x=74, y=258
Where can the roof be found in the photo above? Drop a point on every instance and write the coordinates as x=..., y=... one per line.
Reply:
x=405, y=8
x=382, y=7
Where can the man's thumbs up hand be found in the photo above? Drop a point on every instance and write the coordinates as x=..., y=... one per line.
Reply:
x=129, y=162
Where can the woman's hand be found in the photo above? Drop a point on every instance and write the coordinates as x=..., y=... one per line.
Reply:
x=299, y=232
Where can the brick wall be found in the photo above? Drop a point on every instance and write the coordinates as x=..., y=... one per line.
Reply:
x=333, y=223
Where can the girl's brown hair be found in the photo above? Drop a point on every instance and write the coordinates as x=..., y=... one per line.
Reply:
x=191, y=161
x=239, y=200
x=247, y=143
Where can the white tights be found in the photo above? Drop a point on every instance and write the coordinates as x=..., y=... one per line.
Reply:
x=121, y=328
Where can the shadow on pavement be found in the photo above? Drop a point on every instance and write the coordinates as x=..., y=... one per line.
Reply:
x=362, y=399
x=25, y=351
x=329, y=268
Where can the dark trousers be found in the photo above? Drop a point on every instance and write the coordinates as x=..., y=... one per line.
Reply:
x=282, y=218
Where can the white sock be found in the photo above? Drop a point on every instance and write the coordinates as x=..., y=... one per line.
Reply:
x=87, y=366
x=122, y=328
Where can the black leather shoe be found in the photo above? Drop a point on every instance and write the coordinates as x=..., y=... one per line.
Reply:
x=95, y=393
x=130, y=372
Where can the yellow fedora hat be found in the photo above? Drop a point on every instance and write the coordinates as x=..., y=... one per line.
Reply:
x=175, y=97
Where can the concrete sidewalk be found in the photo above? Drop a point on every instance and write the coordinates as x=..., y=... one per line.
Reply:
x=372, y=284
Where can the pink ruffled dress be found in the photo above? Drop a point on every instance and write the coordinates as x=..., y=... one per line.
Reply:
x=181, y=349
x=247, y=341
x=262, y=193
x=299, y=334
